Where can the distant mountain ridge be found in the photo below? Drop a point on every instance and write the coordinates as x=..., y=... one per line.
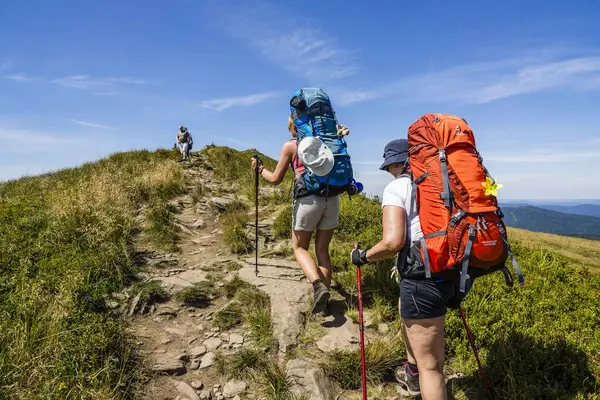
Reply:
x=541, y=219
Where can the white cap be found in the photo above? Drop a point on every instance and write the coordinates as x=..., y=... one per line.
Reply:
x=315, y=155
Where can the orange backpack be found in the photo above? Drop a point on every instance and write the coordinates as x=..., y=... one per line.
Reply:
x=462, y=226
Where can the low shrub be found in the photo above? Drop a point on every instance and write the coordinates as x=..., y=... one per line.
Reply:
x=199, y=295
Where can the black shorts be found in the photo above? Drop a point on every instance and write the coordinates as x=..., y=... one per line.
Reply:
x=428, y=298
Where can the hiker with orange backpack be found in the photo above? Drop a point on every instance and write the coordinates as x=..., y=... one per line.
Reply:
x=312, y=125
x=442, y=221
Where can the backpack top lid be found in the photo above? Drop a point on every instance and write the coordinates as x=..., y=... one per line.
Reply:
x=304, y=98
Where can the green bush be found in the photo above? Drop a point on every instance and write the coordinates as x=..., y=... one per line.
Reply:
x=381, y=358
x=282, y=227
x=198, y=295
x=230, y=316
x=235, y=237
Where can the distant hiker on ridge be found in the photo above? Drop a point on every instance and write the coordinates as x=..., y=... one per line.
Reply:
x=315, y=208
x=185, y=142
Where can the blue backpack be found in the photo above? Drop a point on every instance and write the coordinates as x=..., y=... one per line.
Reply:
x=313, y=115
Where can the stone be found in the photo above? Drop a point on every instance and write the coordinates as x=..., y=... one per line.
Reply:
x=219, y=396
x=194, y=365
x=216, y=386
x=198, y=352
x=226, y=346
x=200, y=327
x=182, y=357
x=112, y=304
x=224, y=337
x=215, y=329
x=287, y=313
x=169, y=368
x=199, y=224
x=212, y=344
x=383, y=328
x=206, y=394
x=134, y=303
x=165, y=341
x=309, y=380
x=234, y=338
x=220, y=284
x=160, y=351
x=197, y=385
x=186, y=390
x=208, y=360
x=192, y=339
x=237, y=398
x=176, y=331
x=236, y=345
x=220, y=203
x=166, y=310
x=233, y=388
x=341, y=338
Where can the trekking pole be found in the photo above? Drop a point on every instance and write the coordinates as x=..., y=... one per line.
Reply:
x=361, y=329
x=472, y=342
x=256, y=213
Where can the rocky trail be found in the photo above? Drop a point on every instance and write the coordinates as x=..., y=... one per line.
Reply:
x=180, y=344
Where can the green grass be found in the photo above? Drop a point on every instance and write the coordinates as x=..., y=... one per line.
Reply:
x=151, y=292
x=381, y=358
x=198, y=295
x=260, y=326
x=282, y=228
x=229, y=317
x=235, y=285
x=243, y=364
x=235, y=237
x=67, y=244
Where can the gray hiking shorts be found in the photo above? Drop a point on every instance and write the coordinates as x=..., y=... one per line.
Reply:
x=315, y=212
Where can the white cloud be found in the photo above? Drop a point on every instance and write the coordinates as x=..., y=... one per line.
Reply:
x=223, y=104
x=303, y=49
x=478, y=83
x=92, y=125
x=22, y=78
x=88, y=82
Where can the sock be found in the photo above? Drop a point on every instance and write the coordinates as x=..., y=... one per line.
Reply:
x=412, y=368
x=316, y=284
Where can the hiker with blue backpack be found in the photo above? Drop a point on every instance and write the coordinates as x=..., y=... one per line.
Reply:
x=322, y=171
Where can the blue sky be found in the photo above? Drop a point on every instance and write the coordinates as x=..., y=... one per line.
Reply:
x=80, y=80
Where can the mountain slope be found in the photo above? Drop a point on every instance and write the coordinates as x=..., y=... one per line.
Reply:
x=592, y=210
x=548, y=221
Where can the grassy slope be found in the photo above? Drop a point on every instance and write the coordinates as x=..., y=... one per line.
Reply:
x=579, y=252
x=66, y=244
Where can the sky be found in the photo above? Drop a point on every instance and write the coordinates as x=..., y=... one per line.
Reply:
x=81, y=80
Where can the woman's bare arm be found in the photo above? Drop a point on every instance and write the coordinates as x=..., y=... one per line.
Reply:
x=394, y=234
x=275, y=177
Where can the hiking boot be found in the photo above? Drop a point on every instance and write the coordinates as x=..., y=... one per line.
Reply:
x=327, y=311
x=321, y=297
x=409, y=382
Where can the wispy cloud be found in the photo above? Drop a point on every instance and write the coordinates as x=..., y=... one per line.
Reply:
x=79, y=81
x=478, y=83
x=92, y=125
x=23, y=141
x=88, y=82
x=22, y=78
x=223, y=104
x=309, y=52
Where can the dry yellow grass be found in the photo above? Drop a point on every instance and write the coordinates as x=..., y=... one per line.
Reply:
x=582, y=253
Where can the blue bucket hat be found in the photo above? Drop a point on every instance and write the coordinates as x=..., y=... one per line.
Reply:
x=395, y=151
